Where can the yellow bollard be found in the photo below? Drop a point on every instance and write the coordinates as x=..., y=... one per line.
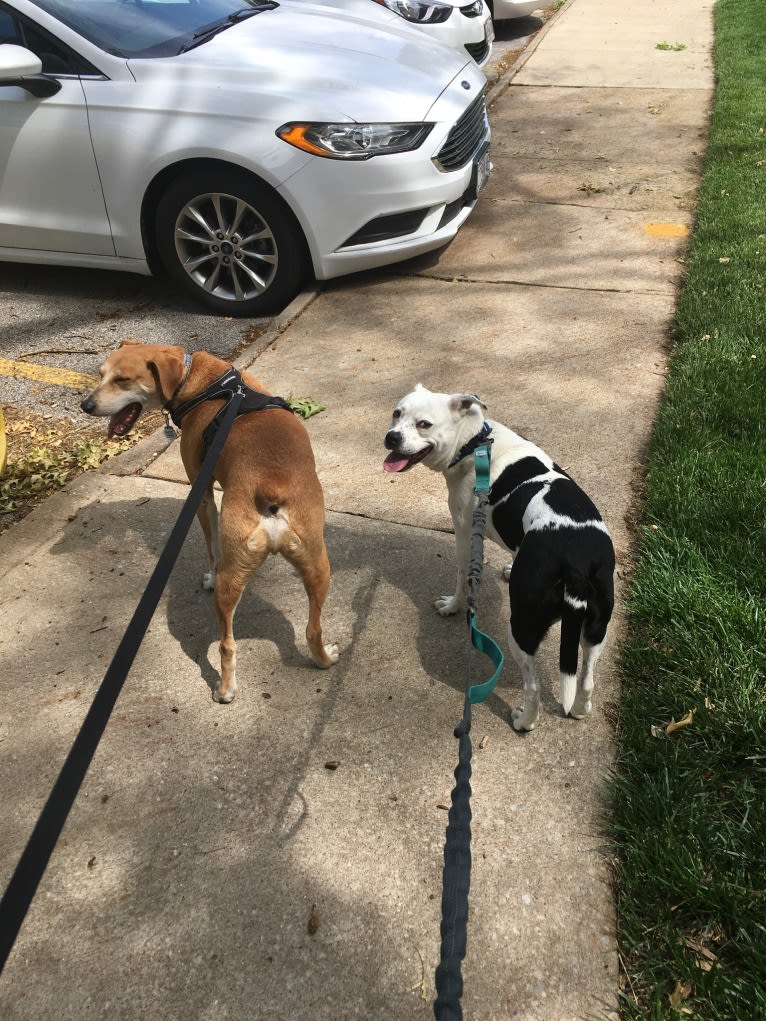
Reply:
x=3, y=446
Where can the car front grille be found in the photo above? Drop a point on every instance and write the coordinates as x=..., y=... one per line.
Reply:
x=465, y=137
x=478, y=51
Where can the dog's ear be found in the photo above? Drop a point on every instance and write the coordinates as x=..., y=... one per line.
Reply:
x=168, y=369
x=462, y=403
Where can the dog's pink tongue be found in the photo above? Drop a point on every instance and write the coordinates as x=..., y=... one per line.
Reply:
x=394, y=463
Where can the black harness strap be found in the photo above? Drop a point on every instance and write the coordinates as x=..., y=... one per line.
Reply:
x=36, y=855
x=229, y=384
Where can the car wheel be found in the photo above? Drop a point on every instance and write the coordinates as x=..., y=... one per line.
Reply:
x=230, y=242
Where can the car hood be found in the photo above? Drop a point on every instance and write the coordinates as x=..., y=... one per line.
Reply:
x=326, y=65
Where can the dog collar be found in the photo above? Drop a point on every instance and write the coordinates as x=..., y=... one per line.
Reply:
x=472, y=444
x=182, y=384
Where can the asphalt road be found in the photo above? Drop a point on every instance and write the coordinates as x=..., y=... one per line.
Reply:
x=69, y=319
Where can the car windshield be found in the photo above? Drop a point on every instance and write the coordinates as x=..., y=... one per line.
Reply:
x=151, y=28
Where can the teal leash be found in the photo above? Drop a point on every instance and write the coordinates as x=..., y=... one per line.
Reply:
x=479, y=640
x=456, y=876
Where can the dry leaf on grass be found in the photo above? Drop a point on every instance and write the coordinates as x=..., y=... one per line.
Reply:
x=682, y=991
x=685, y=722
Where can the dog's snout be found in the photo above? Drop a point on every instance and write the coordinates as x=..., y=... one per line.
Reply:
x=393, y=439
x=88, y=405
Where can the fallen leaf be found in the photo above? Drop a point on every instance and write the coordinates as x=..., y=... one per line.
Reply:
x=420, y=987
x=685, y=722
x=313, y=920
x=332, y=764
x=682, y=991
x=706, y=959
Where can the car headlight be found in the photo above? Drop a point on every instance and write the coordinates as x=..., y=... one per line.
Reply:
x=420, y=11
x=353, y=141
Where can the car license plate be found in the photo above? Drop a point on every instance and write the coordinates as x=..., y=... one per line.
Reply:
x=489, y=30
x=481, y=171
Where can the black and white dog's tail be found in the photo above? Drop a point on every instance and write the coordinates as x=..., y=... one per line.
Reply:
x=586, y=610
x=572, y=619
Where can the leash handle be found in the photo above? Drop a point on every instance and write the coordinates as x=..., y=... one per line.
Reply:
x=36, y=855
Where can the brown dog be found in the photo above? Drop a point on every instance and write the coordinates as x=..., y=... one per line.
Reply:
x=272, y=500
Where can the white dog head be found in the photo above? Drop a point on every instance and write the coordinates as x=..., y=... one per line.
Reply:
x=431, y=428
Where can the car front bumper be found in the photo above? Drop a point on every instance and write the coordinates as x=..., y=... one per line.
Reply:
x=393, y=207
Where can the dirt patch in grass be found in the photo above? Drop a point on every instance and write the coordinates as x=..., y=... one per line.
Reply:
x=45, y=452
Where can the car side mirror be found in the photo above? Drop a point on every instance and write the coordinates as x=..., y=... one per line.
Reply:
x=22, y=68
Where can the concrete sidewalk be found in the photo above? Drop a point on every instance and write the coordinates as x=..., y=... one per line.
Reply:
x=185, y=878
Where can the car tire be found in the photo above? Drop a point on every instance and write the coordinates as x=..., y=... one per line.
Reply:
x=230, y=242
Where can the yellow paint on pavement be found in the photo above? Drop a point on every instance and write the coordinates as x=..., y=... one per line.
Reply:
x=3, y=446
x=667, y=230
x=47, y=374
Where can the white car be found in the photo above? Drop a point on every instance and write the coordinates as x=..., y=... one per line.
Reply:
x=502, y=9
x=466, y=24
x=240, y=145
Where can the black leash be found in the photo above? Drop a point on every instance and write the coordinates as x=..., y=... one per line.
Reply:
x=34, y=860
x=456, y=875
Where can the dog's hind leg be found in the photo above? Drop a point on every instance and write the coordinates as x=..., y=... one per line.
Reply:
x=313, y=566
x=208, y=518
x=597, y=617
x=526, y=717
x=581, y=705
x=242, y=553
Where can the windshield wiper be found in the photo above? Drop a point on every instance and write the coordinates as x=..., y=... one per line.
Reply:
x=231, y=19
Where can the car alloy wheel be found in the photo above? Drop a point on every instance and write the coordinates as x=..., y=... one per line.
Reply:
x=230, y=242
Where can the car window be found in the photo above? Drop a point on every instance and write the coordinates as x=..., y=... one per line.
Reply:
x=55, y=56
x=148, y=28
x=9, y=32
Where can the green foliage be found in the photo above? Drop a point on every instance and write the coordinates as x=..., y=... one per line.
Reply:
x=305, y=406
x=45, y=468
x=690, y=806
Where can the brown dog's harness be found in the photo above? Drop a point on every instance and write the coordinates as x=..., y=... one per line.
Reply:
x=226, y=387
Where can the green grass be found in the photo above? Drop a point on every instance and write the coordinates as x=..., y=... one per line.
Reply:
x=689, y=808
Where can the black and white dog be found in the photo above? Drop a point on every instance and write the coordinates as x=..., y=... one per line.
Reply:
x=563, y=558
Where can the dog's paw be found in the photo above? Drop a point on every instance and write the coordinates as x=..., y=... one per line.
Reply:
x=507, y=571
x=224, y=697
x=448, y=605
x=208, y=581
x=522, y=721
x=324, y=656
x=332, y=655
x=580, y=708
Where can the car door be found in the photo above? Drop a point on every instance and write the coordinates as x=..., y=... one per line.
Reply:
x=50, y=192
